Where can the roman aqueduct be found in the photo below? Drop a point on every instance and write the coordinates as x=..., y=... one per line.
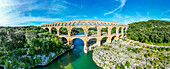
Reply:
x=85, y=25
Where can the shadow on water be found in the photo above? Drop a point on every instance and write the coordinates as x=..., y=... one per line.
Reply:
x=73, y=59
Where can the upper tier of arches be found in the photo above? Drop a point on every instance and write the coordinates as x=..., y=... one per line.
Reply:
x=84, y=22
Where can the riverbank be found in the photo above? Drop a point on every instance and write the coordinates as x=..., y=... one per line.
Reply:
x=45, y=60
x=128, y=54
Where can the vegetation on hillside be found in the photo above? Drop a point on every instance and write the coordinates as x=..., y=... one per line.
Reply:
x=23, y=47
x=152, y=31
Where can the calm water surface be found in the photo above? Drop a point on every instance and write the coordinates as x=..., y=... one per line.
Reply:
x=73, y=59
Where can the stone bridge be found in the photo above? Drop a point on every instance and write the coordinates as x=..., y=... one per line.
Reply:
x=85, y=25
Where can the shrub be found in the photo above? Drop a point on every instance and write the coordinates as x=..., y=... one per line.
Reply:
x=127, y=64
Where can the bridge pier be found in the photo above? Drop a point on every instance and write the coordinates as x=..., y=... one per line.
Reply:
x=85, y=47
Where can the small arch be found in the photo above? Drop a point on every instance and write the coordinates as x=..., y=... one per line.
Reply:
x=104, y=23
x=75, y=23
x=101, y=23
x=83, y=23
x=79, y=23
x=92, y=23
x=88, y=23
x=71, y=24
x=59, y=24
x=104, y=30
x=104, y=39
x=62, y=24
x=63, y=31
x=97, y=23
x=66, y=24
x=108, y=24
x=56, y=24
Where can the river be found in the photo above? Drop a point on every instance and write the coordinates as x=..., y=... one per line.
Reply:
x=73, y=59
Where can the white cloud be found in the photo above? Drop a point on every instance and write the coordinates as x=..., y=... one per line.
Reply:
x=166, y=19
x=95, y=17
x=123, y=2
x=12, y=14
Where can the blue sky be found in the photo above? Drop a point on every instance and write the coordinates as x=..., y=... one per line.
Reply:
x=38, y=12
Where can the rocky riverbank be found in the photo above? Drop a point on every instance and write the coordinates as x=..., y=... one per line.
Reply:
x=126, y=54
x=45, y=60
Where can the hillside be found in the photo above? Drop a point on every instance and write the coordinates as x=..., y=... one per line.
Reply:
x=153, y=32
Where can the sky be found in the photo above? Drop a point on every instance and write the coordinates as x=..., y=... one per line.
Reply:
x=38, y=12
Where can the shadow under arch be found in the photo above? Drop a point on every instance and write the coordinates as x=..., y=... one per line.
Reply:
x=92, y=41
x=113, y=38
x=46, y=30
x=64, y=40
x=53, y=30
x=77, y=31
x=104, y=39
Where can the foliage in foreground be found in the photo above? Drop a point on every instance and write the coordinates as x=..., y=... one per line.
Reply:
x=20, y=46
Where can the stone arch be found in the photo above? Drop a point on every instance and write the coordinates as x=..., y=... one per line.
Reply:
x=88, y=23
x=92, y=23
x=92, y=31
x=92, y=41
x=113, y=30
x=64, y=40
x=73, y=40
x=97, y=23
x=113, y=38
x=104, y=30
x=53, y=30
x=67, y=24
x=63, y=31
x=79, y=23
x=70, y=23
x=120, y=29
x=46, y=30
x=75, y=23
x=75, y=32
x=104, y=39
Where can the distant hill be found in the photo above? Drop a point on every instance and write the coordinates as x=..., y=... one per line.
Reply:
x=152, y=31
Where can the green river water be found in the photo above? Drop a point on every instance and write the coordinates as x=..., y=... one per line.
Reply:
x=73, y=59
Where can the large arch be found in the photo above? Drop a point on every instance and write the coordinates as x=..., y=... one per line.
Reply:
x=92, y=31
x=77, y=31
x=104, y=39
x=120, y=29
x=63, y=31
x=53, y=30
x=46, y=30
x=92, y=41
x=113, y=38
x=64, y=40
x=113, y=30
x=104, y=30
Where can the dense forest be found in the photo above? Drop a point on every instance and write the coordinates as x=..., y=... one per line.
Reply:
x=152, y=32
x=24, y=47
